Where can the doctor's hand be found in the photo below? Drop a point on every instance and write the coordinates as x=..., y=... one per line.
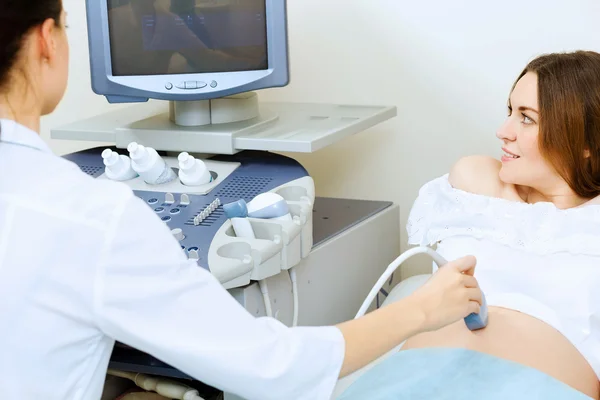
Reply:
x=451, y=294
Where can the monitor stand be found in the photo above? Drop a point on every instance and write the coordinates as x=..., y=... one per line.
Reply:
x=226, y=110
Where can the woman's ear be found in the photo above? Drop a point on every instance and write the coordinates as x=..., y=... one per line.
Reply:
x=46, y=39
x=586, y=153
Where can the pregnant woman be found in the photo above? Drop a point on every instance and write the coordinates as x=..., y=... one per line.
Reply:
x=532, y=220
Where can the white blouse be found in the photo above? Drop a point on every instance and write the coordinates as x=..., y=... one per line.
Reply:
x=533, y=258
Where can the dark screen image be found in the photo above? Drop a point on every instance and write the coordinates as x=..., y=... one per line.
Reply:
x=157, y=37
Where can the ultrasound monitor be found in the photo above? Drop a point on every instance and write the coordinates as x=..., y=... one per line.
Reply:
x=186, y=50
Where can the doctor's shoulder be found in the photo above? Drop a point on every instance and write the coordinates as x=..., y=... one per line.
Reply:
x=85, y=197
x=479, y=175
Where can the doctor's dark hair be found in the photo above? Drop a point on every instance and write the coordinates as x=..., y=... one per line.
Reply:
x=569, y=116
x=17, y=18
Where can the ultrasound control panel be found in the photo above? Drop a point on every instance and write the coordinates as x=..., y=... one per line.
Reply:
x=195, y=219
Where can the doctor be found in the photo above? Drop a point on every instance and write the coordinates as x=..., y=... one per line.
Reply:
x=84, y=263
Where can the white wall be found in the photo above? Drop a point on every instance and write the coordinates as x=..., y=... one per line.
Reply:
x=446, y=65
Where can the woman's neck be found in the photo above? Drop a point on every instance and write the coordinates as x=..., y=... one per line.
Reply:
x=18, y=110
x=562, y=196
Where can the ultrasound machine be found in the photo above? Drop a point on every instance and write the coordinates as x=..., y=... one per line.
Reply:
x=195, y=138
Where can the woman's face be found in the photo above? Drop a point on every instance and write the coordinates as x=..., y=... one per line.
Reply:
x=522, y=161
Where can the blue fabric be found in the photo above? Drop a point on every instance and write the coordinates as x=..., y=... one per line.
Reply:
x=439, y=373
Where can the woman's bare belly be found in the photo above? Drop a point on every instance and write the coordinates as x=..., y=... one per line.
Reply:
x=520, y=338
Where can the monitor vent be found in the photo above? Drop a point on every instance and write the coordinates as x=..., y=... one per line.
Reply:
x=91, y=170
x=245, y=187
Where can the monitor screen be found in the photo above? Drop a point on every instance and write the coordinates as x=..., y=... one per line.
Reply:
x=158, y=37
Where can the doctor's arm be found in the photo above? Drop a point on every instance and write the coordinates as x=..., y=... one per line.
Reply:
x=450, y=295
x=148, y=295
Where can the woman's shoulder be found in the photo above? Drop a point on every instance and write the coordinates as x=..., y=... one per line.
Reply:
x=473, y=182
x=472, y=178
x=479, y=175
x=471, y=201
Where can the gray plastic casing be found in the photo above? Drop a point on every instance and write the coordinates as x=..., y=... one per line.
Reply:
x=131, y=89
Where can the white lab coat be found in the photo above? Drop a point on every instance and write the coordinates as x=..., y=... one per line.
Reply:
x=83, y=262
